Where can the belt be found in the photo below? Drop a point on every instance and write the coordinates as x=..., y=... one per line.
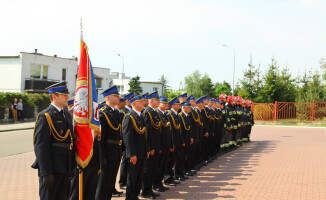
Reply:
x=118, y=142
x=63, y=145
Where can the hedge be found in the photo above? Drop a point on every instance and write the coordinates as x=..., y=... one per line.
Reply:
x=29, y=99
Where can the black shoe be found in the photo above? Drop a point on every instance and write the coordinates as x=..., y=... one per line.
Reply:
x=116, y=191
x=156, y=194
x=148, y=196
x=189, y=173
x=194, y=171
x=160, y=189
x=115, y=194
x=185, y=177
x=170, y=184
x=165, y=188
x=175, y=182
x=123, y=187
x=181, y=179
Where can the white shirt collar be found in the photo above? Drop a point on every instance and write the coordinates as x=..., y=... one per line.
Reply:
x=185, y=114
x=59, y=109
x=160, y=110
x=128, y=108
x=175, y=112
x=137, y=112
x=151, y=107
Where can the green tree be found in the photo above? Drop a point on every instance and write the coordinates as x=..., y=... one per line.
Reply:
x=165, y=81
x=192, y=85
x=134, y=85
x=221, y=88
x=170, y=94
x=206, y=86
x=250, y=85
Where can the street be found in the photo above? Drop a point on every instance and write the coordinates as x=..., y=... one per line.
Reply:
x=16, y=142
x=279, y=163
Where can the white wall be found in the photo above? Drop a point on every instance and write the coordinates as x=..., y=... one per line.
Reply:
x=55, y=66
x=105, y=74
x=148, y=87
x=10, y=75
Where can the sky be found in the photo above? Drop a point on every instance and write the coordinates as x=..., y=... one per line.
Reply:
x=171, y=37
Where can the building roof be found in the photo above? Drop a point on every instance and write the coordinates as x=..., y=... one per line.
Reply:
x=151, y=82
x=9, y=57
x=54, y=56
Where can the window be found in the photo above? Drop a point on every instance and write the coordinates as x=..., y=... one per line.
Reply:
x=39, y=71
x=120, y=88
x=98, y=83
x=155, y=89
x=64, y=74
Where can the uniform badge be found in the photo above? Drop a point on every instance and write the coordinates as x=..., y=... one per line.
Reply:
x=61, y=131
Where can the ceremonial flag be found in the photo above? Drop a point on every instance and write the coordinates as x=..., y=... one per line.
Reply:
x=86, y=114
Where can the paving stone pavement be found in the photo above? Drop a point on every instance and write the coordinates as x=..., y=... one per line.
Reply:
x=280, y=163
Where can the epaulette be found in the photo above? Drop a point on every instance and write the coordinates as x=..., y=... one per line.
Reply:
x=103, y=108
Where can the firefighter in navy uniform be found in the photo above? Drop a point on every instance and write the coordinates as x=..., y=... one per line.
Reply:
x=186, y=133
x=234, y=121
x=111, y=141
x=250, y=122
x=135, y=139
x=218, y=126
x=167, y=145
x=124, y=161
x=182, y=98
x=53, y=146
x=194, y=123
x=175, y=158
x=207, y=121
x=153, y=124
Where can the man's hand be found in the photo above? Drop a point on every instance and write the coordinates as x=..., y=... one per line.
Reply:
x=183, y=144
x=229, y=128
x=171, y=149
x=48, y=181
x=206, y=134
x=191, y=141
x=160, y=152
x=133, y=160
x=151, y=153
x=147, y=155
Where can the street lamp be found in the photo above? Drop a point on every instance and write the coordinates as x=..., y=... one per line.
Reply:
x=123, y=68
x=224, y=45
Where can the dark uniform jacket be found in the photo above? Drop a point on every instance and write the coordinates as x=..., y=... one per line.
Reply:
x=206, y=120
x=176, y=129
x=52, y=155
x=185, y=128
x=134, y=135
x=110, y=130
x=167, y=142
x=194, y=123
x=226, y=121
x=233, y=116
x=153, y=125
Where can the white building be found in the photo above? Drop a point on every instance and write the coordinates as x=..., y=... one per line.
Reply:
x=33, y=72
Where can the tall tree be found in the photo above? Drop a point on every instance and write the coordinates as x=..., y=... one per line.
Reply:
x=192, y=84
x=134, y=85
x=165, y=81
x=206, y=85
x=221, y=88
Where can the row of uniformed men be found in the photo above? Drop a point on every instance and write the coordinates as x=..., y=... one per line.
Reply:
x=157, y=145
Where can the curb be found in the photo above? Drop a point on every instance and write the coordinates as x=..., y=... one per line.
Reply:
x=16, y=129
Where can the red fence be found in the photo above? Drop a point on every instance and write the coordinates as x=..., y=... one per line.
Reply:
x=290, y=111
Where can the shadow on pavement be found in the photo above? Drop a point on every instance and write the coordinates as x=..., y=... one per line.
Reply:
x=221, y=175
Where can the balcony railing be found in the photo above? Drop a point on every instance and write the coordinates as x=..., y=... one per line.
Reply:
x=38, y=85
